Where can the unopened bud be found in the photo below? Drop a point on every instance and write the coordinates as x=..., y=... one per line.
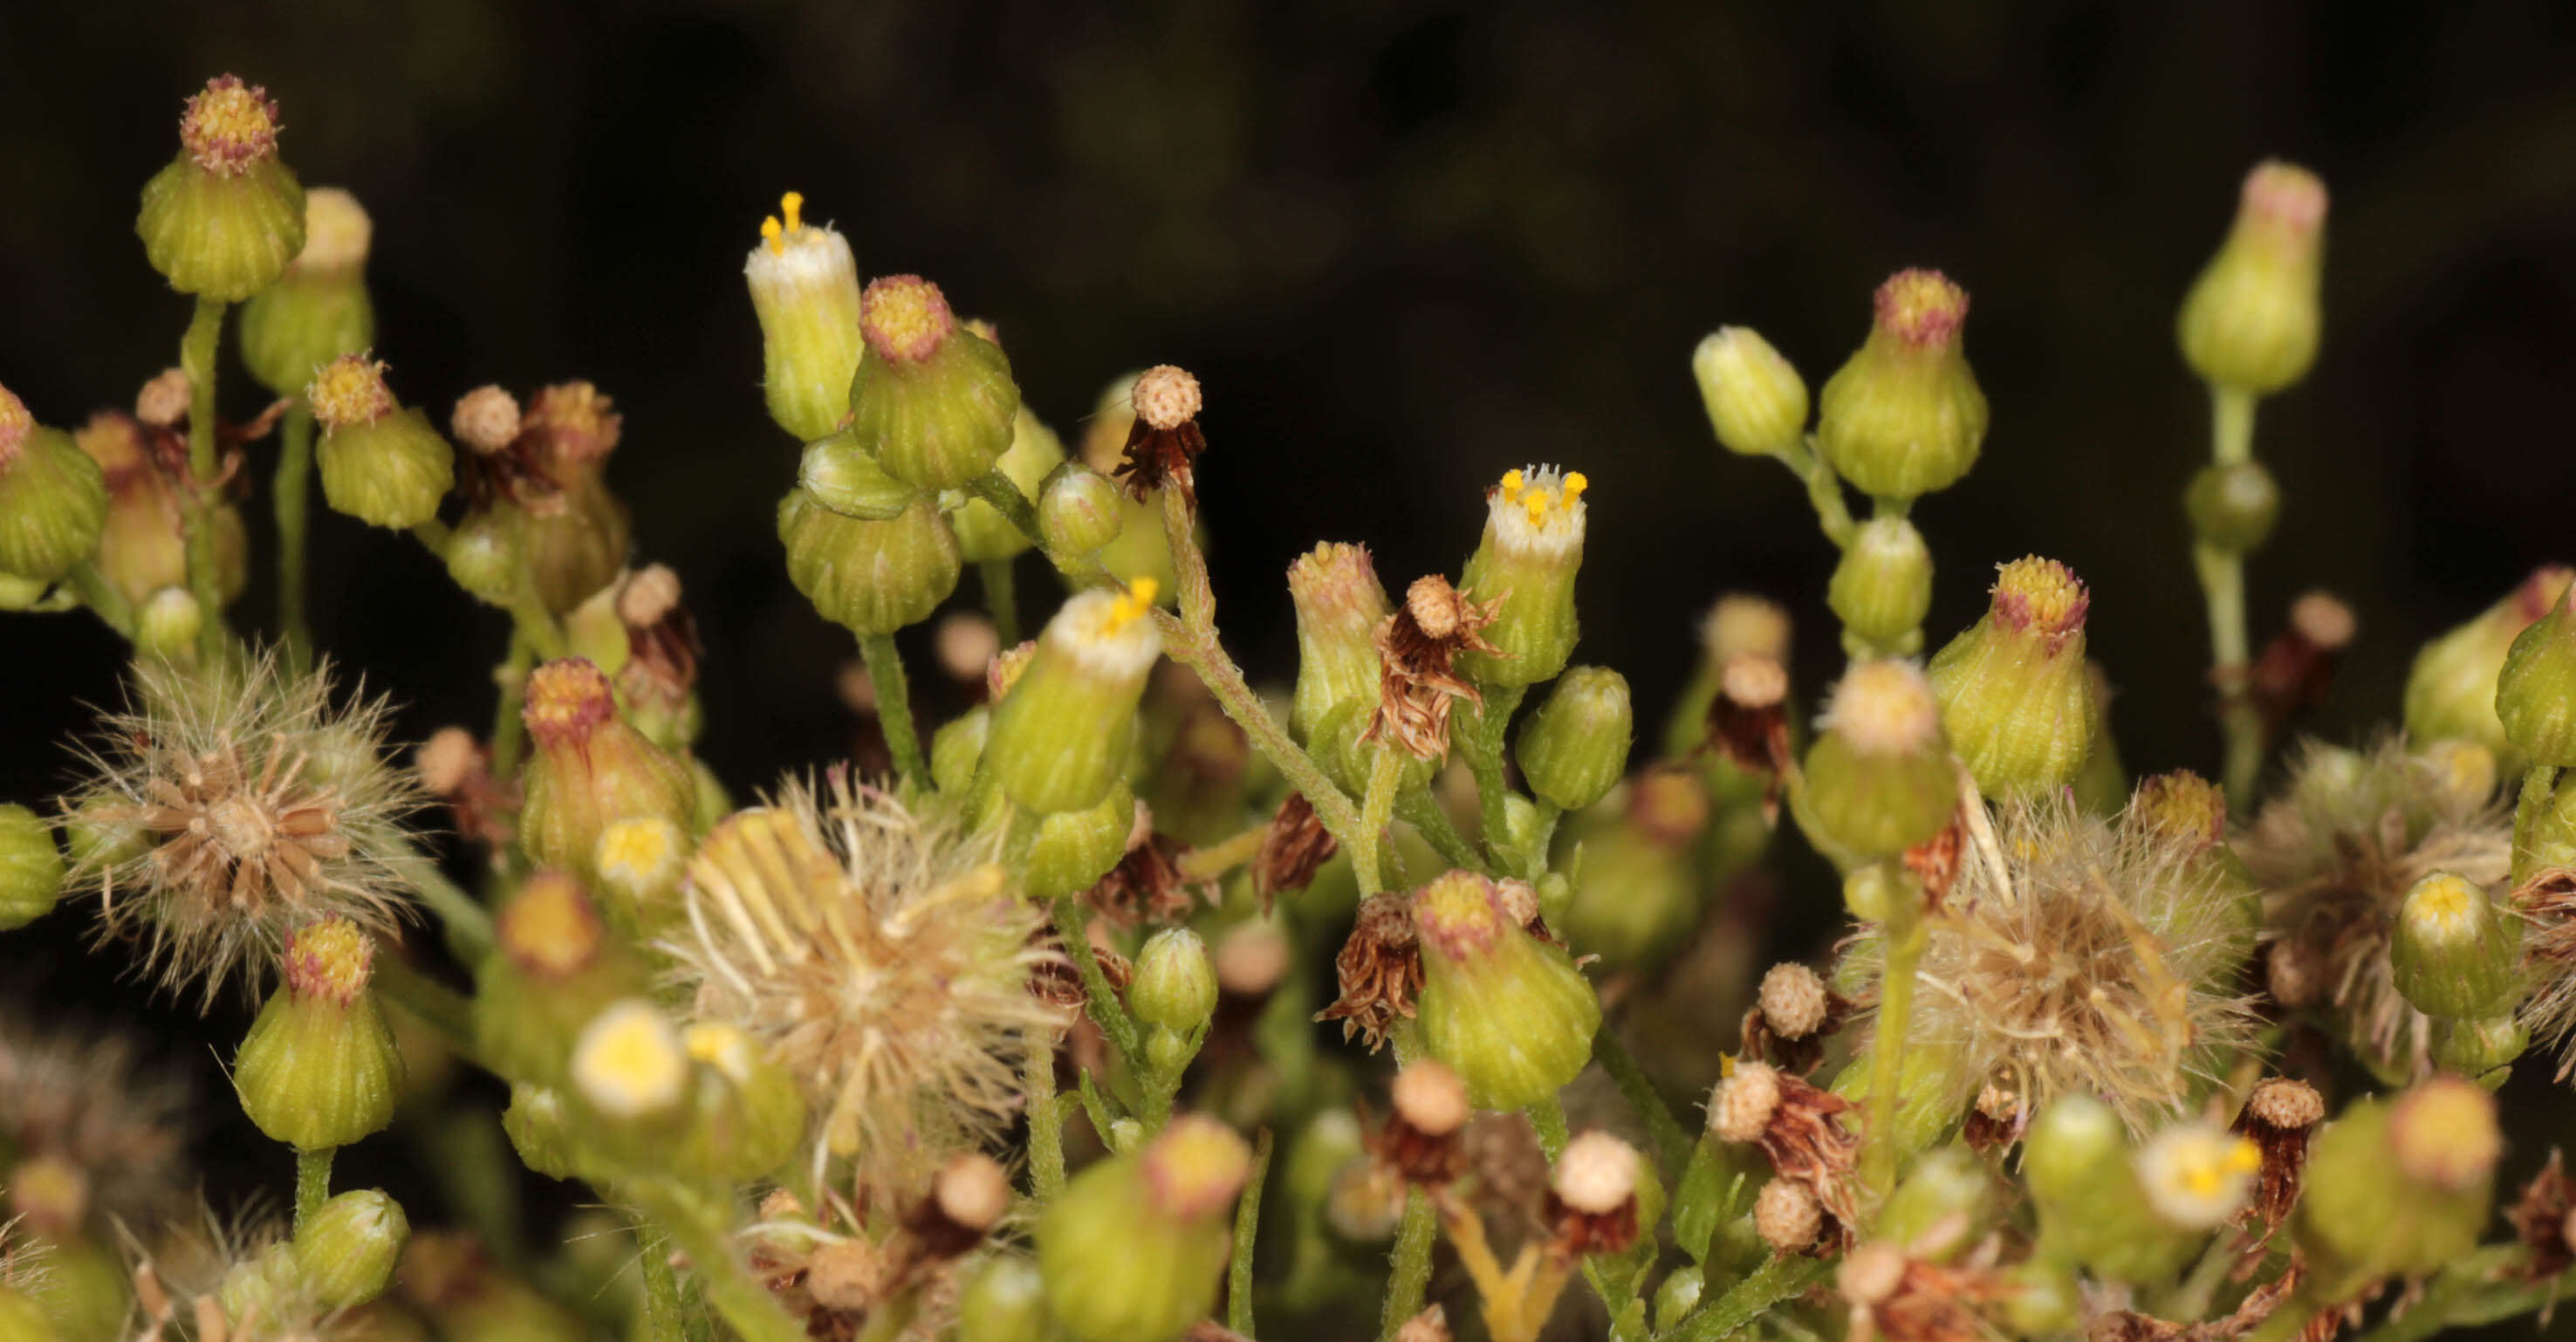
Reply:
x=1061, y=735
x=1575, y=747
x=1134, y=1248
x=1339, y=605
x=2536, y=691
x=2252, y=318
x=2453, y=952
x=1175, y=983
x=983, y=534
x=1883, y=586
x=932, y=401
x=2014, y=692
x=1787, y=1216
x=31, y=867
x=2454, y=687
x=347, y=1250
x=1079, y=510
x=1756, y=401
x=319, y=1068
x=53, y=497
x=318, y=310
x=870, y=577
x=1904, y=416
x=2232, y=506
x=1879, y=779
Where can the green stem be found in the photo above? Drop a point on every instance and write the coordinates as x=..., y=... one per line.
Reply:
x=1377, y=811
x=2222, y=585
x=661, y=1287
x=1824, y=493
x=1543, y=835
x=738, y=1295
x=1780, y=1277
x=2539, y=786
x=1004, y=494
x=1481, y=740
x=468, y=923
x=1415, y=806
x=1672, y=1143
x=197, y=358
x=102, y=597
x=1247, y=1220
x=1548, y=1117
x=1046, y=1124
x=536, y=625
x=289, y=496
x=1411, y=1277
x=999, y=600
x=894, y=704
x=1106, y=1010
x=1902, y=937
x=444, y=1010
x=312, y=1183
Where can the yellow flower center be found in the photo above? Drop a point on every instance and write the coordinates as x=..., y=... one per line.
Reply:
x=792, y=205
x=1131, y=605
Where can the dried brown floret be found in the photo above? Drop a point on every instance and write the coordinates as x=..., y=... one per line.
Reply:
x=2281, y=1116
x=1748, y=722
x=1164, y=442
x=2541, y=1218
x=1380, y=969
x=1800, y=1130
x=1792, y=1016
x=1424, y=1139
x=1592, y=1197
x=1416, y=647
x=1293, y=849
x=1995, y=1121
x=1905, y=1299
x=1148, y=885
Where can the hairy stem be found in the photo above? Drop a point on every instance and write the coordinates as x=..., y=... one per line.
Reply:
x=661, y=1287
x=894, y=704
x=1824, y=492
x=312, y=1183
x=1780, y=1277
x=1902, y=935
x=1377, y=811
x=468, y=923
x=1000, y=600
x=1247, y=1220
x=102, y=597
x=197, y=358
x=1102, y=1000
x=1046, y=1124
x=1480, y=738
x=509, y=728
x=1416, y=806
x=1548, y=1117
x=737, y=1294
x=289, y=496
x=1412, y=1264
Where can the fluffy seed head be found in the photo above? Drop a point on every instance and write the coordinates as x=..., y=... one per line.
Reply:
x=229, y=127
x=2198, y=1174
x=1430, y=1098
x=1165, y=397
x=1597, y=1174
x=628, y=1061
x=330, y=959
x=81, y=1106
x=1921, y=307
x=1742, y=1105
x=1793, y=999
x=264, y=803
x=904, y=318
x=485, y=420
x=349, y=390
x=1885, y=707
x=1787, y=1215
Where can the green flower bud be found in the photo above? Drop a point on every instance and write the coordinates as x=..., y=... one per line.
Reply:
x=2452, y=690
x=2232, y=506
x=53, y=497
x=345, y=1253
x=589, y=769
x=553, y=970
x=1175, y=983
x=2453, y=952
x=166, y=625
x=983, y=534
x=1879, y=779
x=31, y=868
x=1079, y=510
x=1638, y=895
x=381, y=464
x=319, y=1068
x=2015, y=696
x=318, y=310
x=628, y=1084
x=840, y=475
x=805, y=291
x=2399, y=1185
x=1525, y=566
x=1947, y=1201
x=577, y=549
x=1339, y=605
x=485, y=556
x=1134, y=1248
x=226, y=216
x=2481, y=1050
x=1756, y=401
x=2094, y=1208
x=2251, y=319
x=1004, y=1301
x=932, y=400
x=1510, y=1014
x=23, y=1318
x=540, y=1132
x=1904, y=416
x=1576, y=746
x=1061, y=735
x=1074, y=849
x=1883, y=585
x=869, y=577
x=2536, y=691
x=749, y=1117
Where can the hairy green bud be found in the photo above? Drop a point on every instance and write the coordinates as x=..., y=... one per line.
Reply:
x=1575, y=747
x=931, y=400
x=2015, y=695
x=1757, y=403
x=1904, y=417
x=2251, y=320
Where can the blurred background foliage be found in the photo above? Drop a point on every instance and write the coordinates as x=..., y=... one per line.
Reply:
x=1406, y=245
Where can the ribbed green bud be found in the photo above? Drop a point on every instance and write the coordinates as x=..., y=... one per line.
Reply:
x=1756, y=401
x=1175, y=983
x=345, y=1253
x=2451, y=691
x=540, y=1131
x=841, y=476
x=166, y=625
x=1339, y=605
x=1510, y=1014
x=1879, y=779
x=226, y=216
x=319, y=1068
x=2481, y=1050
x=1525, y=565
x=2536, y=691
x=1074, y=849
x=1061, y=736
x=1904, y=416
x=2015, y=696
x=1638, y=895
x=2399, y=1185
x=1883, y=585
x=53, y=497
x=869, y=577
x=31, y=868
x=1080, y=510
x=1947, y=1200
x=381, y=464
x=485, y=557
x=931, y=399
x=1134, y=1248
x=589, y=769
x=2232, y=506
x=958, y=747
x=2453, y=952
x=553, y=970
x=1005, y=1301
x=578, y=549
x=805, y=291
x=2252, y=318
x=983, y=534
x=1575, y=748
x=318, y=310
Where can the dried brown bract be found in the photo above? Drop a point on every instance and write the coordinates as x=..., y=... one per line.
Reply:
x=1380, y=968
x=2281, y=1117
x=1424, y=1139
x=1748, y=722
x=2542, y=1219
x=1995, y=1121
x=1293, y=849
x=1904, y=1299
x=457, y=769
x=1147, y=885
x=2296, y=667
x=1164, y=442
x=1416, y=647
x=1793, y=1015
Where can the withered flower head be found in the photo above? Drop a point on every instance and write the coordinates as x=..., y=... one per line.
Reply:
x=1592, y=1196
x=1800, y=1130
x=1425, y=1139
x=884, y=961
x=1787, y=1216
x=93, y=1137
x=1293, y=849
x=1165, y=440
x=1748, y=721
x=1416, y=647
x=2544, y=1219
x=1793, y=1014
x=1148, y=885
x=1905, y=1299
x=255, y=802
x=1380, y=969
x=2281, y=1117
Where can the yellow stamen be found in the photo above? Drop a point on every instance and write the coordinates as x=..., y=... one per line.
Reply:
x=775, y=236
x=793, y=206
x=1536, y=506
x=1512, y=486
x=1131, y=605
x=1575, y=484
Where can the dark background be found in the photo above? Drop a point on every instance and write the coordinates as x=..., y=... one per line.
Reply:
x=1405, y=246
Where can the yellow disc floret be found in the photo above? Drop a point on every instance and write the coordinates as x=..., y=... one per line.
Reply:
x=229, y=126
x=331, y=959
x=349, y=390
x=904, y=317
x=628, y=1061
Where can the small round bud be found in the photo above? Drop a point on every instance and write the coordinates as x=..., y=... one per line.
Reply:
x=31, y=867
x=1787, y=1216
x=166, y=625
x=628, y=1062
x=2453, y=952
x=1740, y=1108
x=1596, y=1175
x=1793, y=1000
x=319, y=309
x=1883, y=586
x=346, y=1251
x=2480, y=1049
x=1174, y=987
x=486, y=556
x=2251, y=320
x=1525, y=565
x=1878, y=777
x=1870, y=1274
x=225, y=217
x=1165, y=397
x=319, y=1068
x=1078, y=510
x=1074, y=849
x=2232, y=506
x=2286, y=1104
x=936, y=405
x=2536, y=690
x=1575, y=748
x=1430, y=1098
x=1904, y=416
x=486, y=420
x=1252, y=959
x=2325, y=620
x=1756, y=401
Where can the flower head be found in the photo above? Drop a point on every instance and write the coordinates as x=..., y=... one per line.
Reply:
x=260, y=803
x=881, y=957
x=229, y=126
